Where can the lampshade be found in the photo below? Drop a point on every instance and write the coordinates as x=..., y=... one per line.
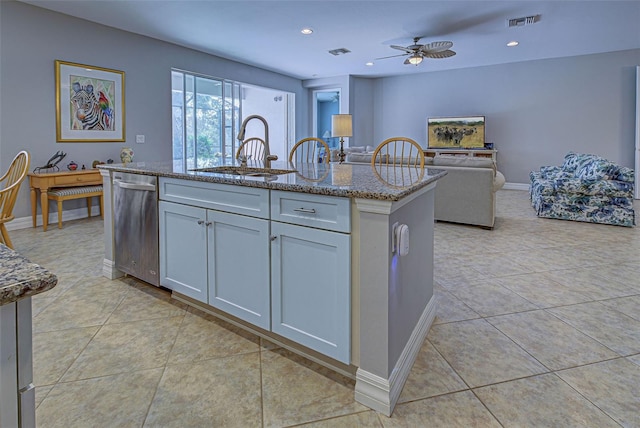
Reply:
x=341, y=125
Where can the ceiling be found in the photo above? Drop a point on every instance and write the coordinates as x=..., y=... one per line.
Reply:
x=266, y=33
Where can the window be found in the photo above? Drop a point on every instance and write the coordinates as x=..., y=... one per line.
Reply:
x=207, y=114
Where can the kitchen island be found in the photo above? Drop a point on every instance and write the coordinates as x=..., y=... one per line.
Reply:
x=308, y=258
x=19, y=280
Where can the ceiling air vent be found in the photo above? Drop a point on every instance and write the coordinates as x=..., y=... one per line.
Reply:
x=340, y=51
x=525, y=20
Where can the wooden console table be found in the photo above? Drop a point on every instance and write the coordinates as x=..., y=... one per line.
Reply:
x=45, y=181
x=485, y=153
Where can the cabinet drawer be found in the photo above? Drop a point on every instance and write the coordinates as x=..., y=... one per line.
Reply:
x=323, y=212
x=222, y=197
x=76, y=180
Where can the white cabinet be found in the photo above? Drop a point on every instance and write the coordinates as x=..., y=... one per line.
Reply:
x=183, y=249
x=217, y=258
x=311, y=293
x=311, y=271
x=239, y=266
x=278, y=260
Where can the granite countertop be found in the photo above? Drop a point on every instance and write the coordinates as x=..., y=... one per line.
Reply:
x=356, y=180
x=19, y=278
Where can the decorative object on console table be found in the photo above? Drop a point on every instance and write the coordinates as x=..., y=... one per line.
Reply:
x=52, y=163
x=126, y=155
x=341, y=126
x=456, y=132
x=89, y=103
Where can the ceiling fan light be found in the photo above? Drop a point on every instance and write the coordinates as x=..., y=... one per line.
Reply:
x=415, y=59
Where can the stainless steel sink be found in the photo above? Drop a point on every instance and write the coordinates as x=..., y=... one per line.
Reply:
x=247, y=171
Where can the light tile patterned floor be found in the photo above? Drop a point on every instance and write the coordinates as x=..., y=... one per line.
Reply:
x=538, y=324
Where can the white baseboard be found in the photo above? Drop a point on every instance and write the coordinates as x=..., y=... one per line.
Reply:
x=26, y=222
x=109, y=269
x=516, y=186
x=382, y=394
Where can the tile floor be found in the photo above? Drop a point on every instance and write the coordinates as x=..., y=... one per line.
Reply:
x=538, y=325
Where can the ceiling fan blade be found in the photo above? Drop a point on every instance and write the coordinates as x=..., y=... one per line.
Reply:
x=443, y=54
x=392, y=56
x=406, y=61
x=436, y=46
x=401, y=48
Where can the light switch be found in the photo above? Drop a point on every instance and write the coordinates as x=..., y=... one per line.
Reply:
x=140, y=139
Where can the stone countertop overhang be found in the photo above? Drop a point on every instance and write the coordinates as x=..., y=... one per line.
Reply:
x=343, y=180
x=19, y=278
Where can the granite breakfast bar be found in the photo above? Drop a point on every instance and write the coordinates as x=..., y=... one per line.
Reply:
x=330, y=275
x=19, y=280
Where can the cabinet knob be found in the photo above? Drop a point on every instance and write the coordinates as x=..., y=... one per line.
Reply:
x=200, y=222
x=207, y=223
x=273, y=237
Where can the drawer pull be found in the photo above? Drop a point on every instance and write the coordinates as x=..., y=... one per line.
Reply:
x=305, y=210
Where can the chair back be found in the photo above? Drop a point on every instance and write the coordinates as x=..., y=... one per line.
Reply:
x=398, y=151
x=10, y=184
x=253, y=148
x=309, y=150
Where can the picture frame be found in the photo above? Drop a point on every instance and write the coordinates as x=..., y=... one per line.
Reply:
x=89, y=103
x=467, y=132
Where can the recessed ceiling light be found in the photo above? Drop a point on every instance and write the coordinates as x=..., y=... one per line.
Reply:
x=306, y=31
x=513, y=43
x=369, y=63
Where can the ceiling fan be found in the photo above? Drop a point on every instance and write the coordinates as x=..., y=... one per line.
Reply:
x=418, y=52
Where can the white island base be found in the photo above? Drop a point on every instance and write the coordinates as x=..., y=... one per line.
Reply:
x=392, y=303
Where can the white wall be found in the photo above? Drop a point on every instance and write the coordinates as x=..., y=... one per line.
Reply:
x=535, y=111
x=32, y=38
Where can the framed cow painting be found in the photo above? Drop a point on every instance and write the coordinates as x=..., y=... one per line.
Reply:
x=89, y=103
x=455, y=132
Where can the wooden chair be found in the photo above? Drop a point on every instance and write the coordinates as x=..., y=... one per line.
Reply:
x=309, y=150
x=398, y=162
x=253, y=148
x=11, y=181
x=398, y=151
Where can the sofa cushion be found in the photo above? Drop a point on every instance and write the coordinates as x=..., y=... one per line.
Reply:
x=596, y=170
x=468, y=161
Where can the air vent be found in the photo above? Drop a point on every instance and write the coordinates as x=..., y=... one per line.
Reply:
x=525, y=20
x=340, y=51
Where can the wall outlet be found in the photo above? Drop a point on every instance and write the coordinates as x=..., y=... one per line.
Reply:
x=140, y=139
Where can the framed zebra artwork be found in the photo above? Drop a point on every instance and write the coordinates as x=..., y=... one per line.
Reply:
x=89, y=103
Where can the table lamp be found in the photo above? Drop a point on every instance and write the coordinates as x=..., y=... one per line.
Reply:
x=341, y=127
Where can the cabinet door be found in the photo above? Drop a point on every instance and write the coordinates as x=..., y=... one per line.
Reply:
x=311, y=288
x=183, y=249
x=239, y=266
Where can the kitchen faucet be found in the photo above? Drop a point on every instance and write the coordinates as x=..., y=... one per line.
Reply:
x=268, y=157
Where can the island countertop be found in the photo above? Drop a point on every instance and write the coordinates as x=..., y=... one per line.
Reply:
x=345, y=180
x=19, y=278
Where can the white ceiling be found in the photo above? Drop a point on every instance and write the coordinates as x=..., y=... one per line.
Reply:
x=266, y=33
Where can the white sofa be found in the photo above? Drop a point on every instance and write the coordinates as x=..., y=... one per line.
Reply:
x=467, y=194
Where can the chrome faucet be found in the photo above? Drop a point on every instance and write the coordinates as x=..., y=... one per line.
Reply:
x=268, y=157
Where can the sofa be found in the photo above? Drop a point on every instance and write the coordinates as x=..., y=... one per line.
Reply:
x=467, y=194
x=586, y=188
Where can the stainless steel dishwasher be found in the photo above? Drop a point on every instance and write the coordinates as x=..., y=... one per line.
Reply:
x=135, y=205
